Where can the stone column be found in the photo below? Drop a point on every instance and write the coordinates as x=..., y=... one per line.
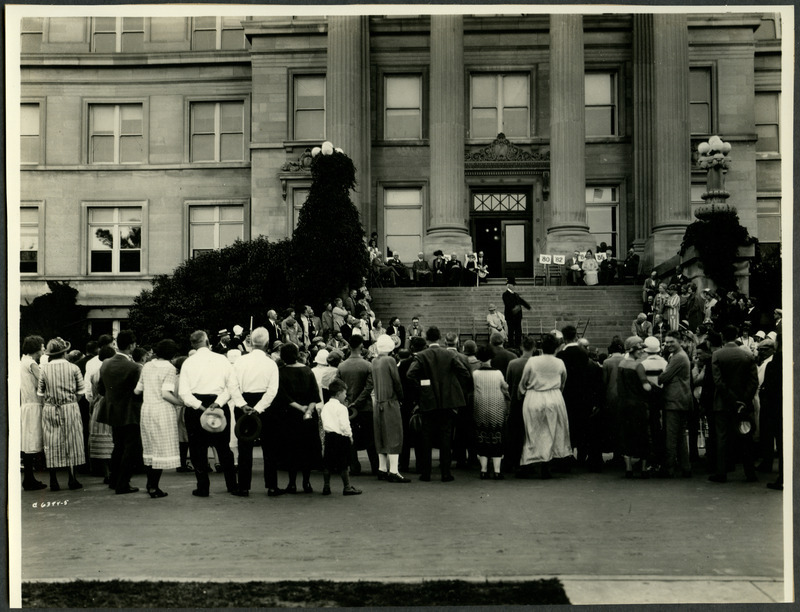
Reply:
x=643, y=149
x=671, y=143
x=347, y=111
x=568, y=228
x=449, y=209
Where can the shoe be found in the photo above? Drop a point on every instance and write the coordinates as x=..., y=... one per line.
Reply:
x=184, y=469
x=775, y=486
x=275, y=492
x=307, y=488
x=54, y=486
x=485, y=475
x=126, y=490
x=218, y=468
x=448, y=478
x=199, y=493
x=425, y=478
x=157, y=493
x=718, y=478
x=34, y=486
x=390, y=477
x=326, y=490
x=498, y=476
x=240, y=493
x=74, y=485
x=351, y=491
x=292, y=489
x=382, y=475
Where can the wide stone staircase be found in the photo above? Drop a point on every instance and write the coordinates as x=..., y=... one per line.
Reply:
x=599, y=312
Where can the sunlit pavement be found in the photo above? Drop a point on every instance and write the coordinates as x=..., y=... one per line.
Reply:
x=608, y=539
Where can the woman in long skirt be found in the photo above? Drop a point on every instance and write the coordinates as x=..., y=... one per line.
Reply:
x=672, y=307
x=297, y=402
x=101, y=441
x=30, y=404
x=490, y=414
x=60, y=384
x=543, y=410
x=157, y=422
x=386, y=416
x=632, y=389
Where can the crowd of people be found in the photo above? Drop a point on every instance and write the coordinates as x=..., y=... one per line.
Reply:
x=313, y=392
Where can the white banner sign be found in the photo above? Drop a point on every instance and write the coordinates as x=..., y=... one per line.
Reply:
x=545, y=259
x=559, y=259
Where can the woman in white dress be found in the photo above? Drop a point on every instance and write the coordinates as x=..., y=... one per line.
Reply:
x=590, y=268
x=158, y=424
x=543, y=410
x=30, y=410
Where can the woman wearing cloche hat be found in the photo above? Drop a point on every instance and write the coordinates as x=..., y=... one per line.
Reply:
x=60, y=384
x=387, y=419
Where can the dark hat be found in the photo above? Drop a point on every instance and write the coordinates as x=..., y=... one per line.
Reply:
x=511, y=280
x=57, y=346
x=438, y=252
x=248, y=427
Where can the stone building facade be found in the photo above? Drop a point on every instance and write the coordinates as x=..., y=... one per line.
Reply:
x=148, y=140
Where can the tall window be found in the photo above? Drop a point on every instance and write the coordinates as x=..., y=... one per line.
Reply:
x=217, y=130
x=214, y=227
x=115, y=239
x=700, y=110
x=601, y=113
x=211, y=33
x=30, y=137
x=602, y=215
x=118, y=34
x=500, y=103
x=767, y=121
x=309, y=107
x=116, y=134
x=402, y=221
x=769, y=219
x=403, y=107
x=29, y=240
x=299, y=197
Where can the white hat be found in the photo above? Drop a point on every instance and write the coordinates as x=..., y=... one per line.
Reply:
x=652, y=345
x=238, y=329
x=385, y=344
x=322, y=357
x=213, y=420
x=759, y=334
x=772, y=335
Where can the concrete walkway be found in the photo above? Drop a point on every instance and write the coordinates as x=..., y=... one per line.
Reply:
x=609, y=540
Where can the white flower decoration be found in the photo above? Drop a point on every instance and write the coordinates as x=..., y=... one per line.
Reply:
x=338, y=150
x=327, y=148
x=315, y=151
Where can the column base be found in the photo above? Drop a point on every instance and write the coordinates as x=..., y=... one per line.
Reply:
x=663, y=245
x=449, y=241
x=565, y=240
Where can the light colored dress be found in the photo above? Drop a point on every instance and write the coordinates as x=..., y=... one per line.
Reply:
x=60, y=384
x=490, y=411
x=590, y=268
x=672, y=307
x=386, y=417
x=544, y=411
x=30, y=407
x=158, y=424
x=101, y=441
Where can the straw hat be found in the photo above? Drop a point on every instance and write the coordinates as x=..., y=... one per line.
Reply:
x=213, y=420
x=57, y=346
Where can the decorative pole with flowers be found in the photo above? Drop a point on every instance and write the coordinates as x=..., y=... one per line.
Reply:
x=715, y=248
x=329, y=254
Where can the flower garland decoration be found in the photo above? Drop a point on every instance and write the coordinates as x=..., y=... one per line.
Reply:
x=714, y=153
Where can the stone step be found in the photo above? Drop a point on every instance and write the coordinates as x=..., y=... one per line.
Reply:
x=608, y=310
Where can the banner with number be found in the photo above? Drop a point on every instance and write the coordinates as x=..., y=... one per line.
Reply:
x=601, y=257
x=559, y=259
x=545, y=259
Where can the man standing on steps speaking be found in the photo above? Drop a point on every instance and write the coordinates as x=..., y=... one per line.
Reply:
x=513, y=303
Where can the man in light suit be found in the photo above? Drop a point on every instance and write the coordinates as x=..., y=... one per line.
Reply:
x=735, y=384
x=441, y=377
x=118, y=377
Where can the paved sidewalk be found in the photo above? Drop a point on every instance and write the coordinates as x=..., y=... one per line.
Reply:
x=608, y=539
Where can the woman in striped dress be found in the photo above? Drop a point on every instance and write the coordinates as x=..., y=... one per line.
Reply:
x=60, y=384
x=157, y=421
x=672, y=307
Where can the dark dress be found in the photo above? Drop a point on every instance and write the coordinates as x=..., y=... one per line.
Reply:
x=632, y=402
x=301, y=444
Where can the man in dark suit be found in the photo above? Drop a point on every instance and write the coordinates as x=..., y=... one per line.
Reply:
x=735, y=384
x=273, y=327
x=118, y=377
x=577, y=395
x=441, y=377
x=630, y=266
x=513, y=303
x=356, y=372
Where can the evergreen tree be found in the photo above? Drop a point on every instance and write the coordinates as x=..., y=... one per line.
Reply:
x=328, y=250
x=56, y=314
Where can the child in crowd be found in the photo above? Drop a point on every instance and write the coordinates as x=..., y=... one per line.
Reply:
x=338, y=439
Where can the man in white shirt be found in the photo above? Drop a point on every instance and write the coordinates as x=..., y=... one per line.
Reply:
x=257, y=377
x=93, y=365
x=207, y=380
